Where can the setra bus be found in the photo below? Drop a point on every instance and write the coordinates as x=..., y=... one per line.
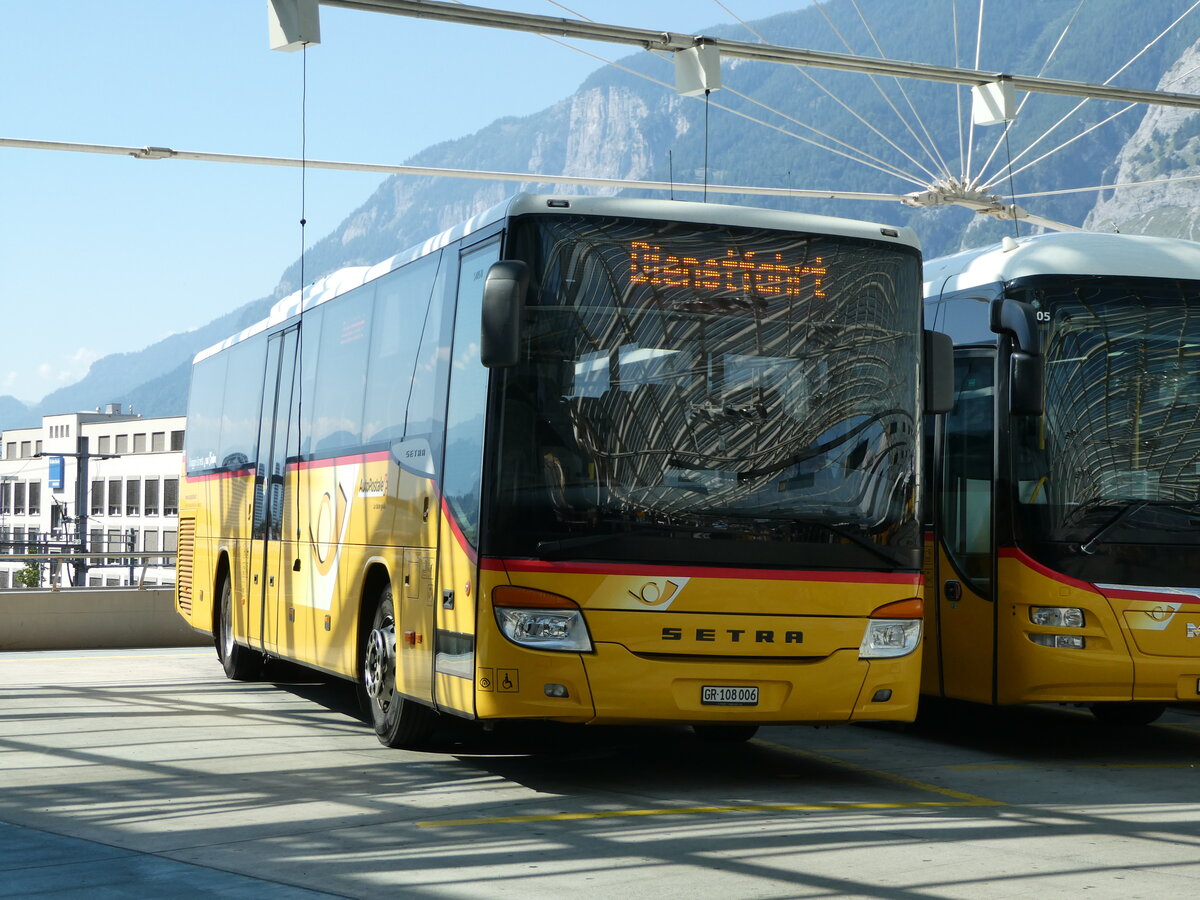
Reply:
x=578, y=459
x=1065, y=544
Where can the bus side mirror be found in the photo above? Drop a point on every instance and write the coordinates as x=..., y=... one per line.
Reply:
x=1018, y=319
x=1025, y=375
x=938, y=373
x=503, y=303
x=1025, y=370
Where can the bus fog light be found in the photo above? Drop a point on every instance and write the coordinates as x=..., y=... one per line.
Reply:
x=1061, y=641
x=889, y=637
x=544, y=629
x=556, y=690
x=1057, y=616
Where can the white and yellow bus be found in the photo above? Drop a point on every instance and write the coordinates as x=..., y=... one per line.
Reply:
x=1064, y=563
x=578, y=459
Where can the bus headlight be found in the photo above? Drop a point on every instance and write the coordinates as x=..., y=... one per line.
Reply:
x=1057, y=616
x=540, y=620
x=891, y=630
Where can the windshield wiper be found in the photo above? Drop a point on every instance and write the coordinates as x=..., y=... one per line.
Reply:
x=855, y=539
x=1089, y=546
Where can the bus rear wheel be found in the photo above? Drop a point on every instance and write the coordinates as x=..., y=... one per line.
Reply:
x=240, y=663
x=398, y=722
x=1127, y=713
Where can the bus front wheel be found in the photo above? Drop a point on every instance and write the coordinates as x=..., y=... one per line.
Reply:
x=1127, y=713
x=240, y=663
x=398, y=722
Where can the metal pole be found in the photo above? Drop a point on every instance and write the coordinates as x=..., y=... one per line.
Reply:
x=81, y=509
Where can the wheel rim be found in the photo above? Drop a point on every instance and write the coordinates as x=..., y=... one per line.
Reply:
x=226, y=624
x=379, y=664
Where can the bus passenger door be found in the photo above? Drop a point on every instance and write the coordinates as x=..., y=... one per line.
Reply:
x=462, y=471
x=266, y=552
x=965, y=547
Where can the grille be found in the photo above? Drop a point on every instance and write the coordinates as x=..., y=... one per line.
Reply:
x=183, y=565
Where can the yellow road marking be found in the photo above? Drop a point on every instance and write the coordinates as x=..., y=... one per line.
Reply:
x=1083, y=766
x=691, y=811
x=957, y=799
x=965, y=798
x=996, y=766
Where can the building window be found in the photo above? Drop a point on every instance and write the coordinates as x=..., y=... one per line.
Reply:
x=176, y=440
x=133, y=497
x=115, y=545
x=10, y=450
x=19, y=498
x=97, y=499
x=139, y=443
x=26, y=449
x=18, y=541
x=158, y=441
x=105, y=444
x=5, y=537
x=5, y=498
x=31, y=537
x=151, y=497
x=122, y=444
x=170, y=496
x=35, y=498
x=131, y=544
x=114, y=497
x=4, y=579
x=95, y=581
x=149, y=545
x=95, y=541
x=170, y=545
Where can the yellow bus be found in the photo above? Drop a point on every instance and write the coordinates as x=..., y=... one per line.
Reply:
x=587, y=460
x=1064, y=559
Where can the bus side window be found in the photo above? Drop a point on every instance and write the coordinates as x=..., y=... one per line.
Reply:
x=966, y=490
x=337, y=399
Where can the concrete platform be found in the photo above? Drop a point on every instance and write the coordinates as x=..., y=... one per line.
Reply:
x=144, y=773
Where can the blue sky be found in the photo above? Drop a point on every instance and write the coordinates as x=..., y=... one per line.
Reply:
x=106, y=254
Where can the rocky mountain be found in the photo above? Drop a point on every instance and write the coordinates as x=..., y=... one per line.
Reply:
x=764, y=128
x=1166, y=145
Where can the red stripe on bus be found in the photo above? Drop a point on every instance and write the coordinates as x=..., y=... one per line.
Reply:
x=458, y=535
x=357, y=458
x=375, y=456
x=913, y=579
x=1029, y=562
x=214, y=476
x=1148, y=594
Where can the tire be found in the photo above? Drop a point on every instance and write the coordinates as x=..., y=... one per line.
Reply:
x=1127, y=714
x=725, y=734
x=397, y=722
x=240, y=663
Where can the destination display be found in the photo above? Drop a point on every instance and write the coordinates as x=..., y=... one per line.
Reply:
x=739, y=271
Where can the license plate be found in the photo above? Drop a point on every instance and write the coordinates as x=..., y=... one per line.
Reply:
x=727, y=695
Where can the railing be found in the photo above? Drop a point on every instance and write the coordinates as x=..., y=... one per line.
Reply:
x=56, y=576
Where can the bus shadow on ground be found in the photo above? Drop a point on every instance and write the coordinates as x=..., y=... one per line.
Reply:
x=1055, y=733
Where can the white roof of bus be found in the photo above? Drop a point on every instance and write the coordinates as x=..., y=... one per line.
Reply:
x=343, y=280
x=1066, y=253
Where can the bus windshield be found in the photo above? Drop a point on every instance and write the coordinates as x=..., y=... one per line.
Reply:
x=1115, y=460
x=699, y=393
